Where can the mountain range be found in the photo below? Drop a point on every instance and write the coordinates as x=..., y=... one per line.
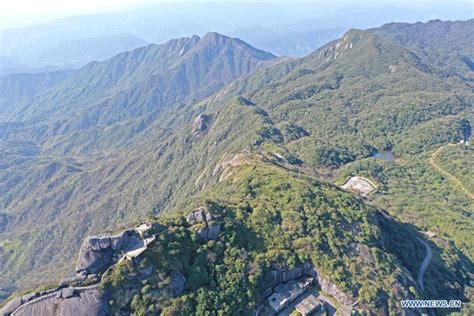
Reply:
x=212, y=121
x=282, y=28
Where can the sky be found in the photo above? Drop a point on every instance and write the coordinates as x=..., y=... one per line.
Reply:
x=26, y=12
x=16, y=13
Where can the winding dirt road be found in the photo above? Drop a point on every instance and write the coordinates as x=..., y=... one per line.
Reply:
x=445, y=173
x=424, y=265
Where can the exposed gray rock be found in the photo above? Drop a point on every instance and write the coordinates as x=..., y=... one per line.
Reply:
x=84, y=303
x=361, y=251
x=190, y=218
x=67, y=292
x=97, y=252
x=281, y=275
x=104, y=242
x=29, y=297
x=199, y=216
x=68, y=281
x=340, y=296
x=92, y=276
x=118, y=241
x=177, y=281
x=46, y=292
x=93, y=261
x=201, y=123
x=11, y=306
x=213, y=232
x=93, y=243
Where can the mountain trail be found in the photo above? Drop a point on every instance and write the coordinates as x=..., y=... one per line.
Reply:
x=424, y=264
x=445, y=173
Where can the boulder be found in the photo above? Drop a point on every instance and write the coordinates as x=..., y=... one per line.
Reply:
x=190, y=218
x=97, y=252
x=104, y=242
x=118, y=241
x=92, y=276
x=200, y=123
x=93, y=243
x=93, y=261
x=67, y=292
x=213, y=232
x=90, y=302
x=208, y=217
x=29, y=297
x=199, y=216
x=82, y=275
x=68, y=281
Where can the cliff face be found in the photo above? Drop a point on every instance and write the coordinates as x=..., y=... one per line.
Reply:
x=81, y=295
x=98, y=252
x=278, y=275
x=63, y=302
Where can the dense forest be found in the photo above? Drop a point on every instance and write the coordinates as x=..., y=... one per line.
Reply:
x=263, y=144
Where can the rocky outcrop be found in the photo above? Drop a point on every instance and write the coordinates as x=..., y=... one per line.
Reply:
x=201, y=124
x=63, y=301
x=210, y=230
x=281, y=275
x=97, y=252
x=225, y=168
x=78, y=278
x=342, y=297
x=65, y=293
x=11, y=306
x=67, y=301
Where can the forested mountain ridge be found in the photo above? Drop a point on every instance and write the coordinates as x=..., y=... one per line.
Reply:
x=88, y=113
x=16, y=87
x=323, y=115
x=137, y=85
x=368, y=89
x=440, y=43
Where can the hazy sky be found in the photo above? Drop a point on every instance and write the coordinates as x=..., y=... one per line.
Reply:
x=23, y=12
x=26, y=12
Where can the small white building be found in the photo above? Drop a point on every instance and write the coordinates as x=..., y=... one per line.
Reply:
x=284, y=293
x=310, y=305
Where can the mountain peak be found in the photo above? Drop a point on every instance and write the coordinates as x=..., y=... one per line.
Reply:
x=217, y=41
x=367, y=48
x=214, y=36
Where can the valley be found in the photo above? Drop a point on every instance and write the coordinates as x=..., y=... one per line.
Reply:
x=258, y=145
